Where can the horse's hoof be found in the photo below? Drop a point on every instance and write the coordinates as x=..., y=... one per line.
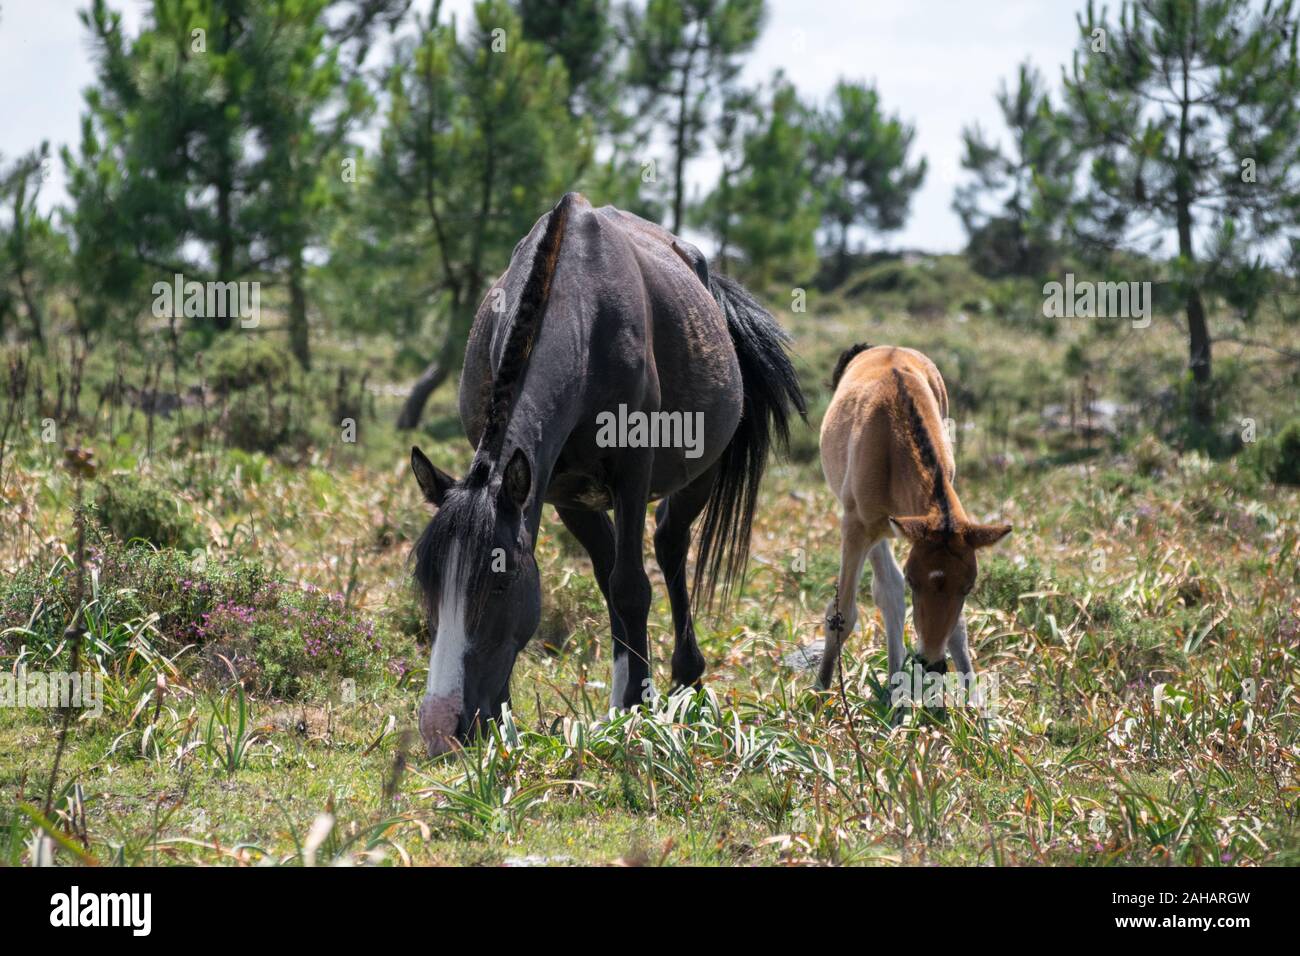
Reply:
x=687, y=671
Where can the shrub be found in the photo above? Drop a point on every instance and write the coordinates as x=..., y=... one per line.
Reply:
x=1277, y=458
x=134, y=582
x=1002, y=581
x=131, y=507
x=285, y=636
x=277, y=636
x=263, y=410
x=1152, y=458
x=240, y=362
x=256, y=421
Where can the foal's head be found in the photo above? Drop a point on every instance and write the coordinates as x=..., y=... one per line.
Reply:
x=474, y=564
x=940, y=570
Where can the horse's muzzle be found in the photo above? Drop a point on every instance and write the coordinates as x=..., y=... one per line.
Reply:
x=439, y=717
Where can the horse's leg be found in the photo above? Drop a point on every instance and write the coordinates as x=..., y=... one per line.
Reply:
x=673, y=520
x=842, y=614
x=959, y=647
x=629, y=587
x=889, y=592
x=595, y=532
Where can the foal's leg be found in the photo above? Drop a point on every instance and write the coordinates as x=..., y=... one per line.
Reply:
x=629, y=587
x=959, y=647
x=595, y=532
x=888, y=590
x=673, y=520
x=842, y=614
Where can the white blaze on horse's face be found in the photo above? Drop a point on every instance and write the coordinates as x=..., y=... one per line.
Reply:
x=444, y=692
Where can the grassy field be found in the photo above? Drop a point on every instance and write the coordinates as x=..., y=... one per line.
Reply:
x=1141, y=622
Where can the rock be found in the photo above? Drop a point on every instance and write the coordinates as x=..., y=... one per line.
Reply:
x=807, y=657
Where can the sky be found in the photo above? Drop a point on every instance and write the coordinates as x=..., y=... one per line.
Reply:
x=937, y=63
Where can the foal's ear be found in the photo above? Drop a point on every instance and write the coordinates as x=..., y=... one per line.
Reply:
x=913, y=529
x=983, y=535
x=517, y=479
x=433, y=481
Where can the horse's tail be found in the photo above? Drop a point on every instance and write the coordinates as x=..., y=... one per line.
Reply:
x=771, y=391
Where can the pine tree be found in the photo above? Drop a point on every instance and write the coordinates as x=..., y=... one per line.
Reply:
x=1016, y=206
x=861, y=167
x=31, y=249
x=478, y=142
x=205, y=141
x=717, y=212
x=681, y=55
x=581, y=33
x=1191, y=112
x=306, y=95
x=776, y=208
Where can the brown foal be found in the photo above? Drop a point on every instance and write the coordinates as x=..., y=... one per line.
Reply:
x=886, y=456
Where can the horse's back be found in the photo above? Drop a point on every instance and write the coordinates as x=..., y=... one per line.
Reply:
x=695, y=363
x=867, y=455
x=629, y=322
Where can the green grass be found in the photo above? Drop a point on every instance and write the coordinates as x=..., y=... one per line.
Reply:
x=1140, y=621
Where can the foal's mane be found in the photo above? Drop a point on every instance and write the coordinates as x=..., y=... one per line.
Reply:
x=842, y=363
x=927, y=456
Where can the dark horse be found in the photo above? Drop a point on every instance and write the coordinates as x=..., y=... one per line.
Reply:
x=613, y=316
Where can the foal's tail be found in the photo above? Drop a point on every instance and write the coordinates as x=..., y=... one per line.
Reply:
x=771, y=392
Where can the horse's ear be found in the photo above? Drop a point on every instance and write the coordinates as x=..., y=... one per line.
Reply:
x=433, y=481
x=517, y=479
x=983, y=535
x=913, y=529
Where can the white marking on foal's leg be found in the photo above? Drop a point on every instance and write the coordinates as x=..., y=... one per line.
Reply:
x=959, y=648
x=888, y=590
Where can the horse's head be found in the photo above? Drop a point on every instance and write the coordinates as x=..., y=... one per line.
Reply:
x=474, y=565
x=940, y=570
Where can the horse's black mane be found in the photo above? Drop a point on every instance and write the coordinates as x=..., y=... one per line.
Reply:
x=925, y=448
x=527, y=322
x=467, y=517
x=847, y=356
x=467, y=522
